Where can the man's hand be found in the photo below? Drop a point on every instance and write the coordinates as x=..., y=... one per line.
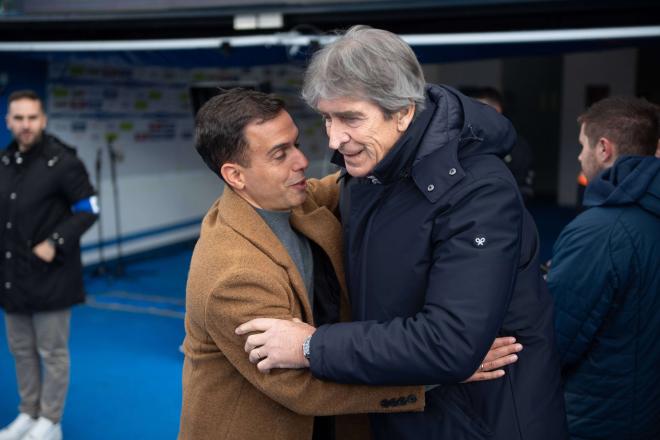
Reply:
x=501, y=353
x=278, y=345
x=44, y=251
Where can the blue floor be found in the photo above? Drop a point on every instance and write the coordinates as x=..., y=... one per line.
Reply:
x=126, y=366
x=125, y=359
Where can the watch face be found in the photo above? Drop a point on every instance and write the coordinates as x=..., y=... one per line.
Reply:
x=306, y=347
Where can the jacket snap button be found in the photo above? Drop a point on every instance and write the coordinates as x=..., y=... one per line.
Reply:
x=12, y=196
x=8, y=225
x=7, y=285
x=8, y=255
x=452, y=171
x=430, y=188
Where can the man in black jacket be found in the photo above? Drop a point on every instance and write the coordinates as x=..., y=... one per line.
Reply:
x=46, y=204
x=519, y=159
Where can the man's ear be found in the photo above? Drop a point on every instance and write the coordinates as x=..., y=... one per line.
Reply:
x=404, y=117
x=606, y=152
x=233, y=175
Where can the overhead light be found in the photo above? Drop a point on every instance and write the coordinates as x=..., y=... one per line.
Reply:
x=245, y=22
x=272, y=20
x=267, y=20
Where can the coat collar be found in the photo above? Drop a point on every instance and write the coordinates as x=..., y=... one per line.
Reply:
x=47, y=148
x=433, y=134
x=240, y=216
x=321, y=226
x=12, y=154
x=459, y=128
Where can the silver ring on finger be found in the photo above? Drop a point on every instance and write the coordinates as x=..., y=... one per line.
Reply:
x=481, y=367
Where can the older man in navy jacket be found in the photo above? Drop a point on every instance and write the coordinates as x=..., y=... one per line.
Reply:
x=441, y=255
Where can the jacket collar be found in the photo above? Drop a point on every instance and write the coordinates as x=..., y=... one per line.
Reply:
x=12, y=154
x=397, y=162
x=429, y=135
x=240, y=216
x=451, y=127
x=436, y=168
x=43, y=148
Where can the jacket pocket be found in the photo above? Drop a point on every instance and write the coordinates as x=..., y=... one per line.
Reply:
x=39, y=266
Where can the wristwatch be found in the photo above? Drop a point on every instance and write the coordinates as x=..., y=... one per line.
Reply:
x=305, y=347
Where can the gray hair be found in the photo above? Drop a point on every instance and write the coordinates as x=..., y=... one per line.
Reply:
x=366, y=63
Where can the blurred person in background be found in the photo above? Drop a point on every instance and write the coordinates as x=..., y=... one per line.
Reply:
x=605, y=278
x=520, y=159
x=46, y=204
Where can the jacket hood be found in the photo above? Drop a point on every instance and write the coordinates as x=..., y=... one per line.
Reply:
x=462, y=120
x=631, y=180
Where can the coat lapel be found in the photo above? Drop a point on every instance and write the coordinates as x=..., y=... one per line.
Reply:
x=323, y=228
x=242, y=218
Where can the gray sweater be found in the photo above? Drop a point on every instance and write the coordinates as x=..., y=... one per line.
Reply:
x=295, y=243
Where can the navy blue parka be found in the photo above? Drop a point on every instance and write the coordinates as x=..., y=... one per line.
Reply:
x=442, y=257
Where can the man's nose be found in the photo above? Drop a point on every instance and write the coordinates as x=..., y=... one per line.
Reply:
x=301, y=162
x=337, y=136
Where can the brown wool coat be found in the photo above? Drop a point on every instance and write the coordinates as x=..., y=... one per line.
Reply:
x=239, y=271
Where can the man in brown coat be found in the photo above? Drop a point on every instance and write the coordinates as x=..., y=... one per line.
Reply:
x=266, y=249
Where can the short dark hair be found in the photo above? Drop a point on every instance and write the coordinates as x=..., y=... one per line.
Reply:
x=25, y=94
x=487, y=93
x=221, y=122
x=630, y=123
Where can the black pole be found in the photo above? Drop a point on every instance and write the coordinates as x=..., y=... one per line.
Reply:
x=101, y=267
x=114, y=156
